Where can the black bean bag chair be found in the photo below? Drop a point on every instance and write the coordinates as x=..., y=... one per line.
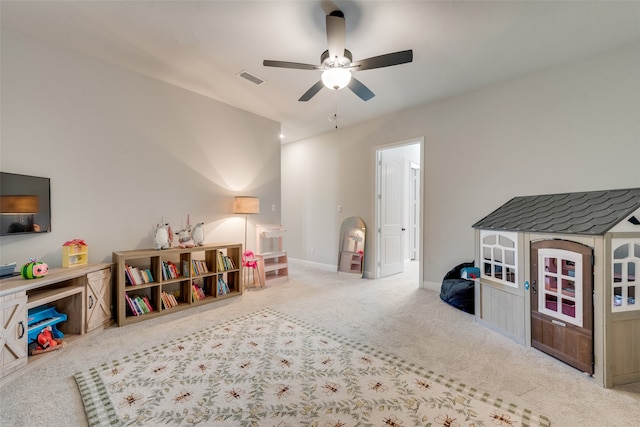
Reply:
x=458, y=292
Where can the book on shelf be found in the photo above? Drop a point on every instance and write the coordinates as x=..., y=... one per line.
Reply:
x=185, y=268
x=145, y=299
x=195, y=271
x=220, y=261
x=128, y=280
x=132, y=308
x=225, y=262
x=198, y=293
x=169, y=270
x=232, y=264
x=129, y=275
x=198, y=267
x=165, y=300
x=140, y=305
x=149, y=275
x=173, y=269
x=137, y=276
x=168, y=300
x=223, y=288
x=173, y=299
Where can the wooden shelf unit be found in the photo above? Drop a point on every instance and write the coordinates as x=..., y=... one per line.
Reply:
x=83, y=293
x=351, y=262
x=273, y=267
x=182, y=287
x=273, y=264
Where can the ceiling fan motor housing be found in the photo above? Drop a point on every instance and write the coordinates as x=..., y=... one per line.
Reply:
x=328, y=62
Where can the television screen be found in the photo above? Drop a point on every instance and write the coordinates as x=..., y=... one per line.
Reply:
x=25, y=204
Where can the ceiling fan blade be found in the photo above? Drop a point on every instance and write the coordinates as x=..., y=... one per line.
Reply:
x=312, y=91
x=360, y=89
x=336, y=33
x=285, y=64
x=387, y=60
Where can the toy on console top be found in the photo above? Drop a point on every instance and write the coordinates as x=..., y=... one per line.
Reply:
x=34, y=269
x=197, y=234
x=46, y=339
x=184, y=238
x=163, y=236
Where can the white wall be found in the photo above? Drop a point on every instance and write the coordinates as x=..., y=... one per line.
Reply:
x=124, y=151
x=573, y=128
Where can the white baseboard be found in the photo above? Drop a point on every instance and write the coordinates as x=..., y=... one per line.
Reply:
x=321, y=266
x=313, y=264
x=431, y=285
x=333, y=268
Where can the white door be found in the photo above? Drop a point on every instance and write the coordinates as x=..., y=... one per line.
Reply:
x=391, y=179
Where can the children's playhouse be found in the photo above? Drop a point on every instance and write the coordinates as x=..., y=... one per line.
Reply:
x=559, y=272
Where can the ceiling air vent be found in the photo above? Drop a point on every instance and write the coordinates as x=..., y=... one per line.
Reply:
x=250, y=77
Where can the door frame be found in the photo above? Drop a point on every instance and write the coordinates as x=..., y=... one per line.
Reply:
x=376, y=205
x=415, y=173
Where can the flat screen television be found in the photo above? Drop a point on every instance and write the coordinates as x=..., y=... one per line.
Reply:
x=25, y=204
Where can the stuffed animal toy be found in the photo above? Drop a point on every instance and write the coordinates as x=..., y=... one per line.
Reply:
x=197, y=234
x=45, y=339
x=163, y=236
x=184, y=238
x=34, y=269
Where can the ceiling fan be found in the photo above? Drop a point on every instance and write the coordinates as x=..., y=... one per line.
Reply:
x=337, y=62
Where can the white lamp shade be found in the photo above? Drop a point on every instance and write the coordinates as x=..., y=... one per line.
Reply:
x=336, y=78
x=246, y=205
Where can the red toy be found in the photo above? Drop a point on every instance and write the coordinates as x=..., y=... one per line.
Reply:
x=45, y=339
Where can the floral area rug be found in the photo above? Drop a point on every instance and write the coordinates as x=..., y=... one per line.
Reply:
x=269, y=369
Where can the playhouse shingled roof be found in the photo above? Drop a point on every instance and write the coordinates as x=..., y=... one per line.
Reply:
x=591, y=212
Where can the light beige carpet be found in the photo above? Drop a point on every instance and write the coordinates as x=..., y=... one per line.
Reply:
x=268, y=369
x=390, y=314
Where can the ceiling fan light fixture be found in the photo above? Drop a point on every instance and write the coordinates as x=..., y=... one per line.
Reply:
x=336, y=78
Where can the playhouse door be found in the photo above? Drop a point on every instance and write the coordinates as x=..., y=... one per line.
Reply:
x=562, y=301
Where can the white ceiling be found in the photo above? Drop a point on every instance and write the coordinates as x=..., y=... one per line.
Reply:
x=202, y=45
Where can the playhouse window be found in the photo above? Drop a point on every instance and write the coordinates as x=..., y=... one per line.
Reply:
x=625, y=263
x=561, y=296
x=499, y=256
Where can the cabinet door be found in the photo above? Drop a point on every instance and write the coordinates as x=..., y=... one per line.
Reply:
x=98, y=301
x=13, y=332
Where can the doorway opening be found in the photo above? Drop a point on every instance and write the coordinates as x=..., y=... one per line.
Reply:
x=398, y=212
